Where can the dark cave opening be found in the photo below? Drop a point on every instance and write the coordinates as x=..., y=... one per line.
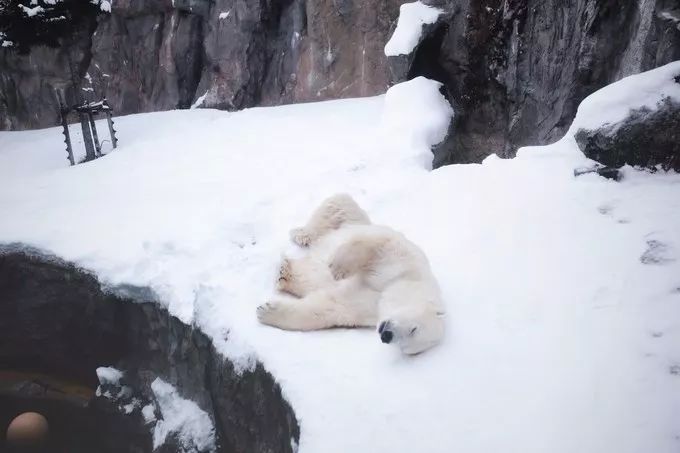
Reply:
x=428, y=62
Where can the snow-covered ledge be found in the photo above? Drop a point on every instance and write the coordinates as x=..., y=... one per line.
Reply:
x=113, y=371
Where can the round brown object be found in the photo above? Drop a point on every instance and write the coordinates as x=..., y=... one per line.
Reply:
x=29, y=429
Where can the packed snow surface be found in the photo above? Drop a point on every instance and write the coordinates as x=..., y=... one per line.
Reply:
x=407, y=34
x=561, y=338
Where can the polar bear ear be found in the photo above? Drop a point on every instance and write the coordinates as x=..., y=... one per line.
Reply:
x=441, y=314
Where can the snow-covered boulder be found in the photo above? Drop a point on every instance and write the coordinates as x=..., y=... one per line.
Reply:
x=634, y=122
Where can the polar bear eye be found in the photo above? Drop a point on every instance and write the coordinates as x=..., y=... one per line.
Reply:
x=413, y=330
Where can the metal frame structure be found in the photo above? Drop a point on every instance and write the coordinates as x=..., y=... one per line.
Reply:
x=86, y=112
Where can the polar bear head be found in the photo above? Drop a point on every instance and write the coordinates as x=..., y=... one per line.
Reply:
x=410, y=319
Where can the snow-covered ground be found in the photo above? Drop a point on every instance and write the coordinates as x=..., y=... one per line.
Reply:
x=560, y=338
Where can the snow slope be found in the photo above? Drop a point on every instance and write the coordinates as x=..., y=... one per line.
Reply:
x=560, y=339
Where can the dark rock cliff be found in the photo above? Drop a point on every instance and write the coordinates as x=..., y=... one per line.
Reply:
x=148, y=55
x=515, y=70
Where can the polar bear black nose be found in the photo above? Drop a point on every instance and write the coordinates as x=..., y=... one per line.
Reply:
x=386, y=336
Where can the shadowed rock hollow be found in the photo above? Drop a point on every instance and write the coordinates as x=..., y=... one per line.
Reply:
x=57, y=326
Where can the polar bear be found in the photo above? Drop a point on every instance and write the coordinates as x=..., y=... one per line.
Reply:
x=356, y=274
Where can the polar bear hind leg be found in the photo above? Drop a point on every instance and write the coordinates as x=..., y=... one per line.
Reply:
x=335, y=211
x=347, y=304
x=303, y=276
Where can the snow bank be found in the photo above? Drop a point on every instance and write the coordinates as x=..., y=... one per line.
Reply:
x=613, y=103
x=416, y=113
x=412, y=17
x=182, y=417
x=560, y=338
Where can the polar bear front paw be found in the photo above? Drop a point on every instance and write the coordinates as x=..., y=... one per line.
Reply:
x=301, y=237
x=267, y=312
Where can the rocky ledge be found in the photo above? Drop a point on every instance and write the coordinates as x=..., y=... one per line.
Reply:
x=58, y=325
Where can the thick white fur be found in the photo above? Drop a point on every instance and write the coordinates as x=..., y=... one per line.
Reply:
x=356, y=274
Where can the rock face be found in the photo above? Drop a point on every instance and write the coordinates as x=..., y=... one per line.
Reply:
x=149, y=55
x=57, y=325
x=515, y=70
x=647, y=138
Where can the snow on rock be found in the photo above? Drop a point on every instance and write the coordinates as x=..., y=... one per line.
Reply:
x=613, y=103
x=224, y=14
x=105, y=6
x=131, y=406
x=560, y=338
x=4, y=42
x=31, y=12
x=671, y=15
x=199, y=101
x=412, y=17
x=149, y=413
x=109, y=375
x=192, y=426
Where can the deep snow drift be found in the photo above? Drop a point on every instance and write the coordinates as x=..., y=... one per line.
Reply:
x=561, y=337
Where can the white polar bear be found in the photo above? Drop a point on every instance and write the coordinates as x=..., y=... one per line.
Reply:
x=356, y=275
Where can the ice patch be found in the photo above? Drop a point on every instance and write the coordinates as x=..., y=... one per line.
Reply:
x=412, y=17
x=224, y=14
